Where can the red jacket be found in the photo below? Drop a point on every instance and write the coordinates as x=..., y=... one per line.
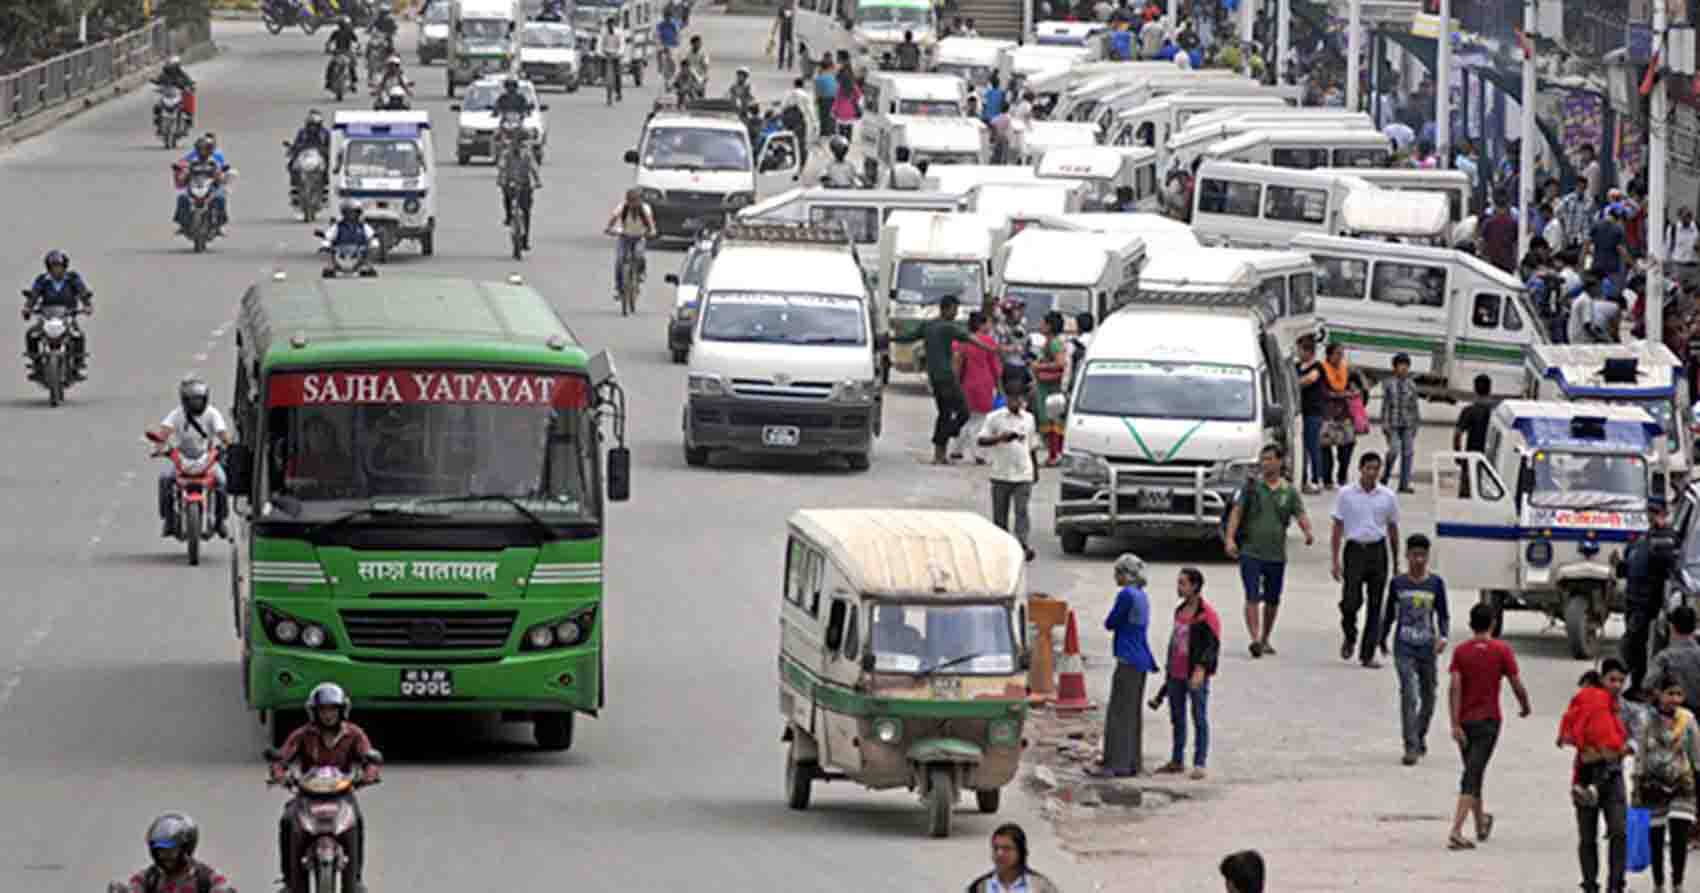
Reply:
x=1592, y=721
x=307, y=748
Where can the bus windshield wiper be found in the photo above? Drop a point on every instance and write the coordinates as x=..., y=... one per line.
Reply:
x=531, y=517
x=377, y=509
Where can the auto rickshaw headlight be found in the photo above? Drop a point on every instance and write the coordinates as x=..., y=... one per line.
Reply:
x=1539, y=553
x=888, y=731
x=1003, y=732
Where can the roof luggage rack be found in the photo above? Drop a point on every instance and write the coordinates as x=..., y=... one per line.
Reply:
x=830, y=232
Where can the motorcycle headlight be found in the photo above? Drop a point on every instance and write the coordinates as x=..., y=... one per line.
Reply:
x=888, y=731
x=411, y=206
x=740, y=199
x=653, y=195
x=855, y=390
x=54, y=328
x=1085, y=467
x=706, y=384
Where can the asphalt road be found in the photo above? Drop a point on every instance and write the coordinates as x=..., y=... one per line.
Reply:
x=119, y=687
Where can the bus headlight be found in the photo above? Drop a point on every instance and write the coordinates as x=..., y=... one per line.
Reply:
x=888, y=731
x=283, y=629
x=561, y=632
x=313, y=636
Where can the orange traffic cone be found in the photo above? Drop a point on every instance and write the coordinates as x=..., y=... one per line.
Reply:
x=1071, y=673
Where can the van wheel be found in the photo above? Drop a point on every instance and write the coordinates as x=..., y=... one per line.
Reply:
x=463, y=159
x=428, y=243
x=553, y=731
x=988, y=800
x=858, y=461
x=1073, y=542
x=696, y=457
x=799, y=779
x=941, y=799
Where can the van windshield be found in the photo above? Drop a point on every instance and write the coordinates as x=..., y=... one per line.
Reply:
x=954, y=639
x=1589, y=480
x=484, y=30
x=1166, y=390
x=905, y=16
x=1042, y=299
x=930, y=281
x=783, y=318
x=930, y=108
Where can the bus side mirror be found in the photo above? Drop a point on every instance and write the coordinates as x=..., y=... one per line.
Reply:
x=631, y=156
x=867, y=661
x=238, y=469
x=619, y=474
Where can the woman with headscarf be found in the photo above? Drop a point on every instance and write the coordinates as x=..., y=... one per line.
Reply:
x=1340, y=384
x=981, y=372
x=1050, y=369
x=1129, y=620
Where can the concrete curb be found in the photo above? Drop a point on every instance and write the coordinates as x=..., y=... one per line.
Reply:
x=48, y=119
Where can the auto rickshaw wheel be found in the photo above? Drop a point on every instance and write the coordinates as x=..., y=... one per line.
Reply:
x=988, y=800
x=799, y=779
x=1581, y=627
x=941, y=799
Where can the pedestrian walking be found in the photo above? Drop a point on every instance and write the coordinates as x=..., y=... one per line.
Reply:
x=982, y=372
x=1400, y=419
x=784, y=37
x=1010, y=439
x=1257, y=536
x=1365, y=544
x=1682, y=238
x=1050, y=370
x=846, y=102
x=1010, y=872
x=1343, y=412
x=1194, y=647
x=1417, y=618
x=1242, y=872
x=1129, y=621
x=944, y=374
x=1312, y=405
x=1681, y=658
x=1647, y=565
x=1595, y=725
x=1478, y=667
x=1667, y=750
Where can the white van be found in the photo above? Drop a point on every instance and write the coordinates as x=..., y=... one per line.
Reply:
x=971, y=58
x=1228, y=87
x=782, y=356
x=1069, y=272
x=1178, y=395
x=1455, y=185
x=1417, y=217
x=889, y=94
x=1187, y=148
x=924, y=257
x=481, y=41
x=1640, y=373
x=1105, y=169
x=1456, y=315
x=1027, y=61
x=1160, y=232
x=1303, y=114
x=1072, y=94
x=940, y=142
x=960, y=179
x=860, y=211
x=1259, y=206
x=386, y=163
x=1030, y=141
x=1283, y=283
x=1059, y=33
x=1306, y=149
x=1156, y=121
x=695, y=169
x=1022, y=203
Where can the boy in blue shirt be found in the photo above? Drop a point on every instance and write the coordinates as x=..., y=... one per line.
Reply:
x=1416, y=607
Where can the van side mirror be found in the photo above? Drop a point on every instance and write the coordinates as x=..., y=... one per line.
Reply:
x=238, y=469
x=454, y=106
x=835, y=626
x=868, y=661
x=619, y=474
x=1274, y=413
x=670, y=279
x=631, y=156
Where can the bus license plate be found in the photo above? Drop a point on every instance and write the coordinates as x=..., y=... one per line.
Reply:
x=780, y=436
x=1154, y=498
x=424, y=683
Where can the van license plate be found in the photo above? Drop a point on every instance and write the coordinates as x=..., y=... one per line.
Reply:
x=423, y=683
x=1154, y=499
x=780, y=436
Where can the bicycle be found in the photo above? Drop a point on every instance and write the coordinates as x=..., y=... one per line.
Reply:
x=631, y=275
x=519, y=221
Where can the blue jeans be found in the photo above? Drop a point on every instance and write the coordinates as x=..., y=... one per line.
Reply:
x=1416, y=695
x=1180, y=695
x=1313, y=450
x=1401, y=447
x=627, y=244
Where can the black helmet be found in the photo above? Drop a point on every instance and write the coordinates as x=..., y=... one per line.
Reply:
x=351, y=210
x=510, y=84
x=173, y=832
x=328, y=694
x=314, y=118
x=56, y=258
x=839, y=146
x=194, y=394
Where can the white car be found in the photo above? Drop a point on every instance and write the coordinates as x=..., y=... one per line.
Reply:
x=477, y=125
x=548, y=54
x=434, y=34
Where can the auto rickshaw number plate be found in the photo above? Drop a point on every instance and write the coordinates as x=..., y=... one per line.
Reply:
x=947, y=687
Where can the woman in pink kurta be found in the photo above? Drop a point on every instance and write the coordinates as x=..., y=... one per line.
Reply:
x=981, y=372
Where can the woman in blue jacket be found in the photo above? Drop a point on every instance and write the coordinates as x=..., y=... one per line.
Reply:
x=1128, y=621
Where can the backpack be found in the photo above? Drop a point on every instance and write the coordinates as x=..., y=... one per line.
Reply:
x=1250, y=496
x=152, y=878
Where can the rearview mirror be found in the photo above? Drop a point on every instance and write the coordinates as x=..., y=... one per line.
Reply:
x=670, y=279
x=619, y=474
x=238, y=469
x=835, y=626
x=867, y=661
x=454, y=106
x=544, y=107
x=1273, y=412
x=631, y=156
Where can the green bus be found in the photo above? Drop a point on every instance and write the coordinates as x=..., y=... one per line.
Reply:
x=420, y=500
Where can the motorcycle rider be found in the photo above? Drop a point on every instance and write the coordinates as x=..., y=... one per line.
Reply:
x=553, y=11
x=512, y=101
x=840, y=173
x=350, y=230
x=172, y=867
x=516, y=168
x=327, y=739
x=741, y=92
x=173, y=75
x=312, y=135
x=192, y=424
x=58, y=287
x=632, y=220
x=204, y=155
x=384, y=24
x=392, y=77
x=343, y=41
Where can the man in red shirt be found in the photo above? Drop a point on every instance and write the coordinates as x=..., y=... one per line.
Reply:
x=327, y=740
x=1478, y=666
x=1499, y=234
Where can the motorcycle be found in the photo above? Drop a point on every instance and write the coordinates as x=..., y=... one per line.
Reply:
x=309, y=193
x=172, y=122
x=53, y=366
x=378, y=49
x=395, y=99
x=342, y=74
x=196, y=483
x=328, y=823
x=203, y=225
x=281, y=14
x=688, y=87
x=348, y=260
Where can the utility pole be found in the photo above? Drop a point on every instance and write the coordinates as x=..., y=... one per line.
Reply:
x=1658, y=140
x=1443, y=90
x=1526, y=127
x=1354, y=48
x=1247, y=25
x=1283, y=37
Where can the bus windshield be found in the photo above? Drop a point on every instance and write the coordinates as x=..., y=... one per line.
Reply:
x=948, y=639
x=337, y=436
x=1589, y=480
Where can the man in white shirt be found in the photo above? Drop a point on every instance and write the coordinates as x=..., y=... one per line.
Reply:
x=903, y=174
x=1009, y=437
x=613, y=55
x=1366, y=523
x=1681, y=238
x=191, y=428
x=1579, y=328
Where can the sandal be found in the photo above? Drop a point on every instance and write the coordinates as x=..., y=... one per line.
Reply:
x=1198, y=774
x=1456, y=842
x=1170, y=769
x=1485, y=828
